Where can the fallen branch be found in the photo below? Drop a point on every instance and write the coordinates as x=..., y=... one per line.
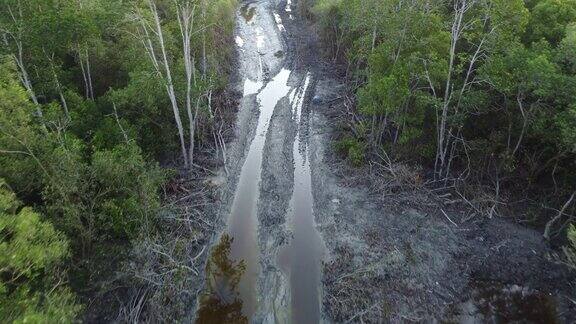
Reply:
x=443, y=212
x=558, y=216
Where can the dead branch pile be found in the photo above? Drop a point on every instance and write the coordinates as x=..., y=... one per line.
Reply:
x=166, y=268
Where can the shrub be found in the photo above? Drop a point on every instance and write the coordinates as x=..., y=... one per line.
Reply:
x=570, y=250
x=31, y=250
x=353, y=149
x=131, y=186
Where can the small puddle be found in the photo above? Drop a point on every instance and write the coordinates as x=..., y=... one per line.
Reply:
x=300, y=260
x=498, y=303
x=221, y=302
x=288, y=9
x=279, y=23
x=251, y=87
x=260, y=38
x=288, y=6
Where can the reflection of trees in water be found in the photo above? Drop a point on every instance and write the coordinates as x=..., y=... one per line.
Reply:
x=221, y=302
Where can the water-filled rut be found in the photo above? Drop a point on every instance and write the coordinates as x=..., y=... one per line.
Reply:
x=300, y=260
x=237, y=275
x=243, y=223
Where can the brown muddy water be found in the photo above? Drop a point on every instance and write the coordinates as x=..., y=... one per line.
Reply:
x=233, y=268
x=300, y=260
x=243, y=221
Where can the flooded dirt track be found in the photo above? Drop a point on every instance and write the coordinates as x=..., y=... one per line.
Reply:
x=268, y=260
x=243, y=224
x=300, y=260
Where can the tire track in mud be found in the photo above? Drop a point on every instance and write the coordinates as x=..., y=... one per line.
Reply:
x=300, y=260
x=269, y=191
x=291, y=246
x=243, y=225
x=390, y=262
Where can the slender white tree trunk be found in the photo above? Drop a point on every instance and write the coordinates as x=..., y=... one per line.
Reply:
x=57, y=84
x=89, y=75
x=460, y=8
x=84, y=60
x=19, y=58
x=85, y=66
x=84, y=75
x=204, y=59
x=25, y=79
x=558, y=216
x=186, y=23
x=524, y=123
x=162, y=68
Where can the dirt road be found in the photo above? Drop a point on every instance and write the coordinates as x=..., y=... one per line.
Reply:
x=267, y=204
x=317, y=241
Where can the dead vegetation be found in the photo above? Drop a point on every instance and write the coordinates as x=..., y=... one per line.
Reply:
x=399, y=267
x=345, y=293
x=166, y=269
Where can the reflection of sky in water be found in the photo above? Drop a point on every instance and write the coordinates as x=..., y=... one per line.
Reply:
x=260, y=41
x=279, y=22
x=243, y=222
x=251, y=87
x=300, y=259
x=259, y=38
x=233, y=268
x=239, y=41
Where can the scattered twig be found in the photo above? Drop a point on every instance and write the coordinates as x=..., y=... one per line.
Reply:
x=446, y=215
x=558, y=216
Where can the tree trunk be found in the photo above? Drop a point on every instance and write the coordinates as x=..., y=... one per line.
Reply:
x=186, y=22
x=204, y=59
x=460, y=7
x=25, y=79
x=89, y=75
x=58, y=85
x=168, y=78
x=524, y=124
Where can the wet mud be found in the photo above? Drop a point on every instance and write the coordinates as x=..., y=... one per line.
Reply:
x=308, y=239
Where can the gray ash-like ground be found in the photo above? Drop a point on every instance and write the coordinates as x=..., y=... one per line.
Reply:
x=394, y=255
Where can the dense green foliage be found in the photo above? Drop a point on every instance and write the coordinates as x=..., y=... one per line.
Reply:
x=89, y=100
x=31, y=252
x=482, y=91
x=95, y=94
x=84, y=190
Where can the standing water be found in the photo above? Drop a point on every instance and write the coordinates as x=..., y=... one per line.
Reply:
x=243, y=219
x=233, y=268
x=301, y=259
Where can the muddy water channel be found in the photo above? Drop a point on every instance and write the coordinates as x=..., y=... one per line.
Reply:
x=243, y=223
x=300, y=259
x=235, y=268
